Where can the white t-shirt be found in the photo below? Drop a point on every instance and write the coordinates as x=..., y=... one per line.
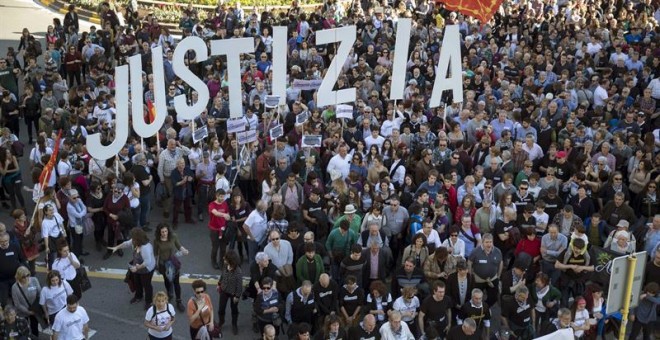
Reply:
x=65, y=267
x=159, y=319
x=600, y=96
x=70, y=325
x=54, y=298
x=257, y=224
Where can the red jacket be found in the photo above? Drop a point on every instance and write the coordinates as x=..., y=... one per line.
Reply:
x=533, y=247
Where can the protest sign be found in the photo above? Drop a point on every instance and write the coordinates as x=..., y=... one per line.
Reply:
x=276, y=132
x=344, y=111
x=312, y=141
x=235, y=125
x=246, y=137
x=200, y=134
x=307, y=85
x=302, y=117
x=272, y=102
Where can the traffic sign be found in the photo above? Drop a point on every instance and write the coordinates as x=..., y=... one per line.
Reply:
x=616, y=293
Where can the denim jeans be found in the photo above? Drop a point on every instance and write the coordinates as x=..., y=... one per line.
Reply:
x=145, y=207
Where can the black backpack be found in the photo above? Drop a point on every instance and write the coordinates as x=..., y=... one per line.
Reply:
x=153, y=310
x=34, y=48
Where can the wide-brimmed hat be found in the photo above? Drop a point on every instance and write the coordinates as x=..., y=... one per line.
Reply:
x=350, y=209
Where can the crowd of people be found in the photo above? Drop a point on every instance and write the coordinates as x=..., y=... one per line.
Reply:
x=407, y=222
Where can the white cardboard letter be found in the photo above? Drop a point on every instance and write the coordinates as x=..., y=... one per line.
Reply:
x=181, y=69
x=346, y=36
x=450, y=54
x=280, y=53
x=401, y=45
x=94, y=146
x=233, y=48
x=142, y=128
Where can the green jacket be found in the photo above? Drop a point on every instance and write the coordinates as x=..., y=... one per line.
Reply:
x=356, y=223
x=553, y=295
x=338, y=243
x=302, y=269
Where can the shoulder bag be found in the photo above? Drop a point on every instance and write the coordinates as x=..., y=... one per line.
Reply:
x=35, y=308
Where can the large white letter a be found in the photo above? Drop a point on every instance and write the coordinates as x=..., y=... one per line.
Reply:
x=449, y=52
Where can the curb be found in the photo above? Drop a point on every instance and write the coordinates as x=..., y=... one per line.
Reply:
x=62, y=8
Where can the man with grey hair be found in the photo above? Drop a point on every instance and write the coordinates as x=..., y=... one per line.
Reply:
x=11, y=257
x=552, y=244
x=373, y=233
x=167, y=163
x=562, y=321
x=486, y=263
x=518, y=314
x=395, y=329
x=478, y=311
x=396, y=217
x=465, y=331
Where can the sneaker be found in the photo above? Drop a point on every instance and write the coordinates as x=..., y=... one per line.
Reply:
x=135, y=300
x=201, y=217
x=234, y=329
x=180, y=306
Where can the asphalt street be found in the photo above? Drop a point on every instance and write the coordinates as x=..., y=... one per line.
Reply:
x=108, y=301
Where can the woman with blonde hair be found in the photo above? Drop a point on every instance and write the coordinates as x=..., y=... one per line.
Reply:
x=160, y=318
x=25, y=293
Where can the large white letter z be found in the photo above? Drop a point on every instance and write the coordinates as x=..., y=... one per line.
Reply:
x=346, y=36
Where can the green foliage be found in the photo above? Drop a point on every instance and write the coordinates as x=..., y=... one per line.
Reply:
x=172, y=13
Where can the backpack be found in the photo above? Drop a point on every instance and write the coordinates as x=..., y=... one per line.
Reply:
x=153, y=310
x=76, y=136
x=34, y=47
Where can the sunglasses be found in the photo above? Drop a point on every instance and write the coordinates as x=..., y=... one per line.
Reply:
x=265, y=288
x=199, y=291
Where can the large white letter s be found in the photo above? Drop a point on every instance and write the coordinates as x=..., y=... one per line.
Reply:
x=181, y=69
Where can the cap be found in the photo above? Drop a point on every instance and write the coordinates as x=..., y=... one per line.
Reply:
x=623, y=224
x=561, y=154
x=549, y=96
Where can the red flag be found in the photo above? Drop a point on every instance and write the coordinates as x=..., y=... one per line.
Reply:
x=151, y=112
x=480, y=9
x=48, y=169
